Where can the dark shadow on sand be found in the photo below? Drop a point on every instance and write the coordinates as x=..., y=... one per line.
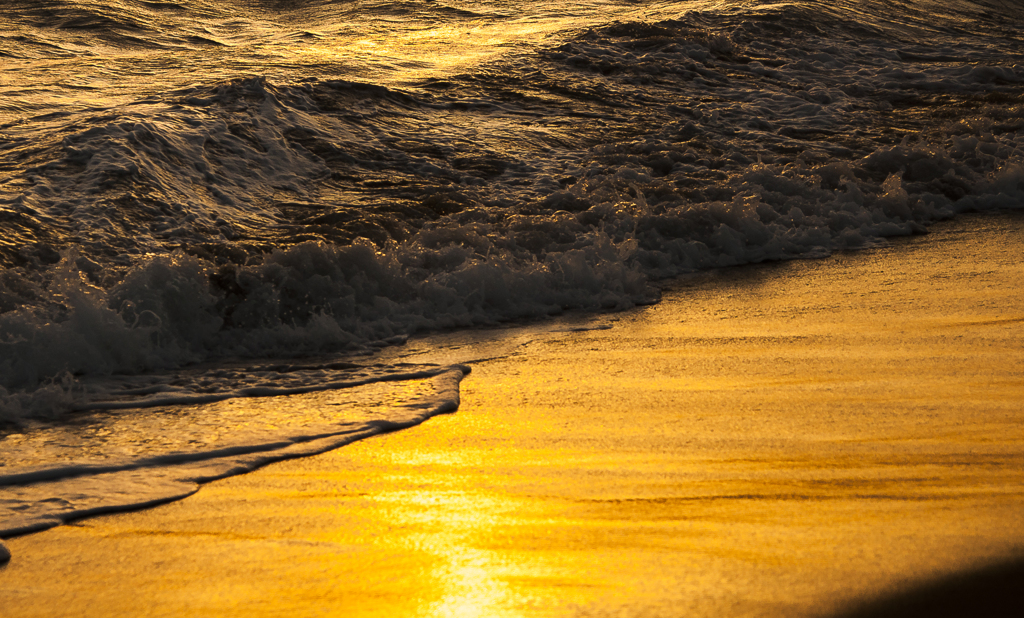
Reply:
x=993, y=591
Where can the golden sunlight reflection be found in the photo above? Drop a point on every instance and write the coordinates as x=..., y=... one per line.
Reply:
x=472, y=588
x=435, y=49
x=470, y=579
x=422, y=49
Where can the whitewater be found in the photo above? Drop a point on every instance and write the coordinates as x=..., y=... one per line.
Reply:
x=222, y=220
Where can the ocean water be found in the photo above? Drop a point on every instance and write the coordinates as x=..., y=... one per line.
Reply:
x=221, y=218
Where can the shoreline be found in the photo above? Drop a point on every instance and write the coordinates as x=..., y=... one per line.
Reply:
x=720, y=452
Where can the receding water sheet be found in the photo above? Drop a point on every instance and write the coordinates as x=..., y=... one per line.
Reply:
x=102, y=462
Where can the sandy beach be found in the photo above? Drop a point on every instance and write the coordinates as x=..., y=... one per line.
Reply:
x=778, y=440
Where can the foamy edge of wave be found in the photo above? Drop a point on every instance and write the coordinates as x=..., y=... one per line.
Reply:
x=176, y=476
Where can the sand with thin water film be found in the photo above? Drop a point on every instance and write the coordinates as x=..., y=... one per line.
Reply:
x=777, y=440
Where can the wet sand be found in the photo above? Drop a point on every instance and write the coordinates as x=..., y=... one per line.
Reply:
x=780, y=440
